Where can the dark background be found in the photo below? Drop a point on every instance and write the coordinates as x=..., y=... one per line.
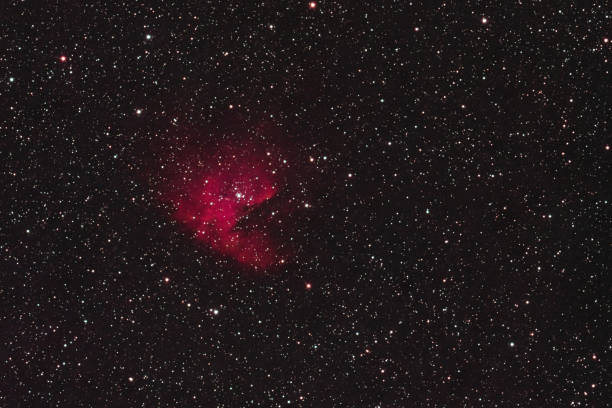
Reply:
x=463, y=262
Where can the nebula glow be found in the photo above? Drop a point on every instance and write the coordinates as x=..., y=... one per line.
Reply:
x=219, y=200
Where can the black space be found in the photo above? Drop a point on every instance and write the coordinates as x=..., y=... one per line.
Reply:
x=446, y=201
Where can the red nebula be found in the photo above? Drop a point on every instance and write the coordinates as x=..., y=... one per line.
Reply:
x=219, y=198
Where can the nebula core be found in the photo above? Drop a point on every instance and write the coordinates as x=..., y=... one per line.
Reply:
x=219, y=197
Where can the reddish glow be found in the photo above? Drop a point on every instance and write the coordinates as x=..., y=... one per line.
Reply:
x=312, y=5
x=62, y=58
x=217, y=198
x=308, y=286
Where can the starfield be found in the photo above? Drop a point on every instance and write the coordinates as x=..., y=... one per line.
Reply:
x=387, y=203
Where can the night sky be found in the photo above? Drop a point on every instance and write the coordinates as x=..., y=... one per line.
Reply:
x=312, y=204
